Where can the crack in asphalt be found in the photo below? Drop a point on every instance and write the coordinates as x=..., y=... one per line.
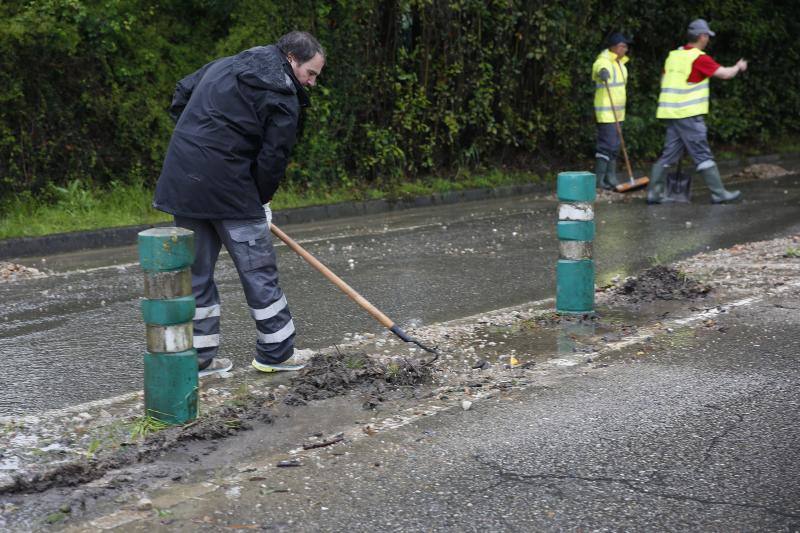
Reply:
x=733, y=425
x=509, y=476
x=715, y=440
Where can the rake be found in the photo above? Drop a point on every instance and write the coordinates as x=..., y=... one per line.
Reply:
x=352, y=293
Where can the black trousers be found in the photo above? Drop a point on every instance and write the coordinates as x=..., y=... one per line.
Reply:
x=608, y=141
x=249, y=244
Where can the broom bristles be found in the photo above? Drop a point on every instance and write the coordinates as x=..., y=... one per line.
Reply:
x=638, y=183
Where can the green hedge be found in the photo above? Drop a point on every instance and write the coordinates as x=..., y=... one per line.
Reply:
x=411, y=86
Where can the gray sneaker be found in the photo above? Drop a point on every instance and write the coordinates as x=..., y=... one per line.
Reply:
x=218, y=365
x=297, y=361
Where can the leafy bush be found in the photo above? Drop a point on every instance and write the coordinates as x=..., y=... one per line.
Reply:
x=411, y=86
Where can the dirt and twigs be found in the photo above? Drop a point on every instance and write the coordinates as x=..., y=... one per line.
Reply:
x=141, y=440
x=634, y=196
x=14, y=272
x=334, y=374
x=765, y=265
x=761, y=171
x=141, y=444
x=333, y=439
x=657, y=283
x=548, y=320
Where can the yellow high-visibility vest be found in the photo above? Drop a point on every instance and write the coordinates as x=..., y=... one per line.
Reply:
x=617, y=81
x=679, y=98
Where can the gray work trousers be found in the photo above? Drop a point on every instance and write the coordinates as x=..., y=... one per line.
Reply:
x=608, y=142
x=250, y=246
x=690, y=134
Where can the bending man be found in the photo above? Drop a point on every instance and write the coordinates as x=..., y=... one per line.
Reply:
x=236, y=123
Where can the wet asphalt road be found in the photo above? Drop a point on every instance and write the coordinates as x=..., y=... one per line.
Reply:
x=77, y=335
x=701, y=434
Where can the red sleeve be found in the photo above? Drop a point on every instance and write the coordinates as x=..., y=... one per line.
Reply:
x=702, y=68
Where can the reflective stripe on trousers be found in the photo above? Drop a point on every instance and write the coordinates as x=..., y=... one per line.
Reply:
x=249, y=245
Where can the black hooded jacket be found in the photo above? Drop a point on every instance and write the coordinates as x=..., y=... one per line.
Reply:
x=236, y=123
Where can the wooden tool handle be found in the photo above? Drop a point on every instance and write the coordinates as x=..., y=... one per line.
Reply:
x=336, y=280
x=619, y=131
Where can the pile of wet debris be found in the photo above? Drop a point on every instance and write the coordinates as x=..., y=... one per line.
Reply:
x=659, y=283
x=14, y=271
x=331, y=375
x=761, y=171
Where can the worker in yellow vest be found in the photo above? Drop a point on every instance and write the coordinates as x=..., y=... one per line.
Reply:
x=682, y=104
x=609, y=67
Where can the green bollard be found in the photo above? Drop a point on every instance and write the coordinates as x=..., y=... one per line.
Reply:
x=170, y=363
x=576, y=230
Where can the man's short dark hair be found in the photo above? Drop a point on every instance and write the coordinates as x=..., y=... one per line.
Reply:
x=301, y=44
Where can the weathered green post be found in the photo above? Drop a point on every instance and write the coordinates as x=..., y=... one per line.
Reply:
x=170, y=363
x=575, y=270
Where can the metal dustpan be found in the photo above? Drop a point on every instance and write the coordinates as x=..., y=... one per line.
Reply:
x=679, y=186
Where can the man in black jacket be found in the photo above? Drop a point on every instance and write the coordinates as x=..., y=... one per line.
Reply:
x=236, y=123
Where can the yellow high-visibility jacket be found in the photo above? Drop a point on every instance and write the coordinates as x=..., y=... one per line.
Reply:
x=617, y=81
x=679, y=98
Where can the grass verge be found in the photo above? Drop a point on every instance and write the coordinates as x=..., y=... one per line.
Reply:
x=77, y=207
x=81, y=206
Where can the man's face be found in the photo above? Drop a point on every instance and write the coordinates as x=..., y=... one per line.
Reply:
x=620, y=49
x=306, y=73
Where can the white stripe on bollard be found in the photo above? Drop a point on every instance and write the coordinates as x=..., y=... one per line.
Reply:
x=576, y=211
x=169, y=339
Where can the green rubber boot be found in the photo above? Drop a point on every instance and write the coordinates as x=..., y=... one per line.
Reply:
x=657, y=188
x=611, y=173
x=718, y=193
x=601, y=171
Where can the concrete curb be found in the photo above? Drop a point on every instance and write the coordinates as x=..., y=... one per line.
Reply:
x=123, y=236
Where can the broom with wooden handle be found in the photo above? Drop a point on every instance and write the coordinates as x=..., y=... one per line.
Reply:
x=631, y=184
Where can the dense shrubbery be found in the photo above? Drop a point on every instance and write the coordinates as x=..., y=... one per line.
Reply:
x=411, y=86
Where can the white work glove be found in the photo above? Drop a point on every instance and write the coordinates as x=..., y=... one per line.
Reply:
x=268, y=213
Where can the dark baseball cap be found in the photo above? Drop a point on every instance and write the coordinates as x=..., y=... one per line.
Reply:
x=700, y=26
x=617, y=38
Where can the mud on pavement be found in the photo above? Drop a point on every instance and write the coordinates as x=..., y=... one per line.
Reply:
x=92, y=448
x=61, y=468
x=660, y=282
x=327, y=375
